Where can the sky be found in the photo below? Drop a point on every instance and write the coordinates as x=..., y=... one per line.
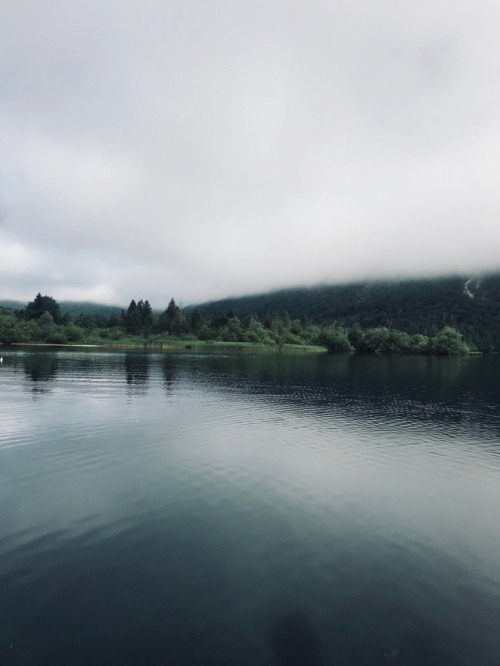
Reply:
x=198, y=149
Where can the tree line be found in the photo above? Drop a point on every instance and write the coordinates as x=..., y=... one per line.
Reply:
x=425, y=306
x=42, y=321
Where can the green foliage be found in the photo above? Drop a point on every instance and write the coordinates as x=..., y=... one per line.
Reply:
x=256, y=332
x=419, y=307
x=335, y=340
x=196, y=320
x=46, y=319
x=355, y=335
x=74, y=309
x=86, y=321
x=138, y=319
x=56, y=336
x=146, y=313
x=204, y=333
x=278, y=329
x=133, y=319
x=74, y=333
x=383, y=341
x=232, y=331
x=173, y=320
x=419, y=344
x=10, y=329
x=42, y=304
x=449, y=341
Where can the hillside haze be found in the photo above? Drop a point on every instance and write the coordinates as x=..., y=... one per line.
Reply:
x=471, y=304
x=72, y=308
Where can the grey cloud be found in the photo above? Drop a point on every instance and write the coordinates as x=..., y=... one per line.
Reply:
x=200, y=149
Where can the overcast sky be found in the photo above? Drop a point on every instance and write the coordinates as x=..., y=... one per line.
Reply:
x=200, y=149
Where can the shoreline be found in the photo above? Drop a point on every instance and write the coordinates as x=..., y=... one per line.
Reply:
x=181, y=345
x=196, y=346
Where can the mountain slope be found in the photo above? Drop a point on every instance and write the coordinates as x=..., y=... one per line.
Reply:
x=72, y=308
x=471, y=305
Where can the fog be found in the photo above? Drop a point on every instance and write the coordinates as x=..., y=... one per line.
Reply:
x=206, y=149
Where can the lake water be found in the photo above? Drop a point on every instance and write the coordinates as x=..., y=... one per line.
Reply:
x=244, y=509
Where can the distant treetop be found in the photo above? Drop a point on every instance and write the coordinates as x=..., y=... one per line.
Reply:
x=41, y=304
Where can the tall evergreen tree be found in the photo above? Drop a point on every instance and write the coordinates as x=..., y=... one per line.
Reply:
x=195, y=320
x=146, y=315
x=41, y=304
x=133, y=319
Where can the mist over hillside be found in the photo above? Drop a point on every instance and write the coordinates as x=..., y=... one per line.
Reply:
x=72, y=308
x=471, y=304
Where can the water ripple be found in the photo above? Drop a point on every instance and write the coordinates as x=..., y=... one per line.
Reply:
x=196, y=509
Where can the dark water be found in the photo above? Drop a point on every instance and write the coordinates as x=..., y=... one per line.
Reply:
x=299, y=510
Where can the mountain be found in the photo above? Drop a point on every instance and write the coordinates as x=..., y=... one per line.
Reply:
x=72, y=308
x=471, y=304
x=12, y=305
x=75, y=308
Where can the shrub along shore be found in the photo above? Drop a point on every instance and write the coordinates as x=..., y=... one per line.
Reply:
x=41, y=322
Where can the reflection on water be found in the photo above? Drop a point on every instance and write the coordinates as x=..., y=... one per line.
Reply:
x=41, y=368
x=169, y=373
x=248, y=509
x=136, y=368
x=294, y=641
x=137, y=372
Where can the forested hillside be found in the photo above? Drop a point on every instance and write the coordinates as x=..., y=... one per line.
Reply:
x=42, y=321
x=72, y=308
x=471, y=305
x=405, y=316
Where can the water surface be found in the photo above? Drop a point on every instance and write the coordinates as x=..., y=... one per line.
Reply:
x=248, y=509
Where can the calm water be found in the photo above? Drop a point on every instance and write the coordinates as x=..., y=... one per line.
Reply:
x=237, y=509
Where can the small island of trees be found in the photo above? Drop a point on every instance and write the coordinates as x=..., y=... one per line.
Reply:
x=42, y=322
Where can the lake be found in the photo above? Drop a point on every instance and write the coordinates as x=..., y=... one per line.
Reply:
x=248, y=509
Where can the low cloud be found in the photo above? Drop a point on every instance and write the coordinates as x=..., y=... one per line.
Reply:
x=198, y=150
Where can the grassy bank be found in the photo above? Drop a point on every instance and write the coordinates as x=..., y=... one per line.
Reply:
x=178, y=344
